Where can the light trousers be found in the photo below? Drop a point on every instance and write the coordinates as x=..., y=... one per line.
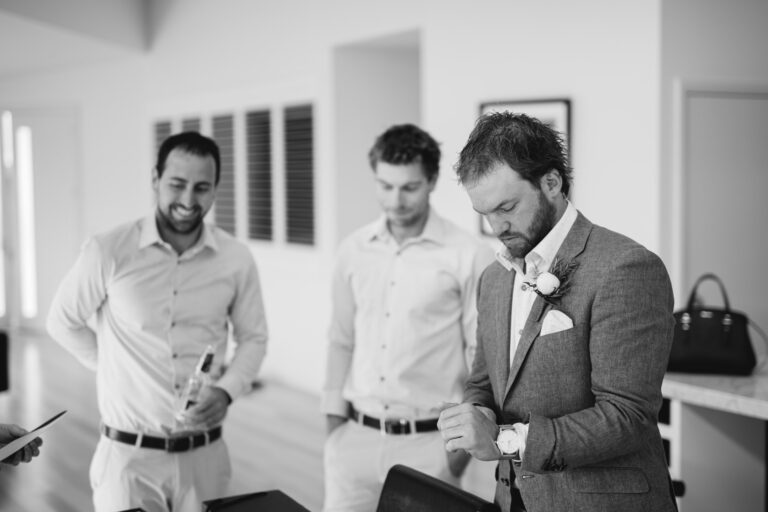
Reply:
x=357, y=459
x=124, y=476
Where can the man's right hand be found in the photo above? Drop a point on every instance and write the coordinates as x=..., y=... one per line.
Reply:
x=333, y=422
x=471, y=428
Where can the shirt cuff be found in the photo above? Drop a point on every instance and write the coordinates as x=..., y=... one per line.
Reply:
x=522, y=432
x=334, y=403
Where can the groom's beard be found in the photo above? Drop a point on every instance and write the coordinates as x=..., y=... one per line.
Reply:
x=520, y=244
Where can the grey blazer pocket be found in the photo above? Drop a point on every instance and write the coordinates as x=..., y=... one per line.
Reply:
x=608, y=480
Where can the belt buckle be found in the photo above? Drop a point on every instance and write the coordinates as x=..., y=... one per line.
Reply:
x=399, y=426
x=175, y=444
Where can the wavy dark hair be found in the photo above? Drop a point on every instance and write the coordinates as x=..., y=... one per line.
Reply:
x=404, y=144
x=192, y=143
x=524, y=143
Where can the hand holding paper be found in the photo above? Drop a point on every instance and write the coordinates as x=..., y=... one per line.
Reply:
x=10, y=432
x=17, y=445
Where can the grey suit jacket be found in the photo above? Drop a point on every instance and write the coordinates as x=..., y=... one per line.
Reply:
x=591, y=394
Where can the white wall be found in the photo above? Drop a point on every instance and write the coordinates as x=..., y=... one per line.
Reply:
x=603, y=55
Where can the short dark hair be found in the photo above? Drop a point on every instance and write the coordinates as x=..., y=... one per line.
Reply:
x=405, y=144
x=524, y=143
x=192, y=143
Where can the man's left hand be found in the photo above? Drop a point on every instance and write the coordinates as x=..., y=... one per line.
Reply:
x=467, y=427
x=211, y=409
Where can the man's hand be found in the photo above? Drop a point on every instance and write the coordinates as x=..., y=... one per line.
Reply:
x=471, y=428
x=332, y=422
x=10, y=432
x=211, y=409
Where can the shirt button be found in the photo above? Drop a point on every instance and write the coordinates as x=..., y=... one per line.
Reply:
x=524, y=287
x=386, y=407
x=383, y=346
x=386, y=315
x=519, y=331
x=173, y=324
x=177, y=386
x=381, y=379
x=175, y=356
x=175, y=292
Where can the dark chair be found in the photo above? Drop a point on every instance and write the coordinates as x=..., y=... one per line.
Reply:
x=266, y=501
x=406, y=489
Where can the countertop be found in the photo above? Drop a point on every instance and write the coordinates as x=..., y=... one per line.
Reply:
x=747, y=396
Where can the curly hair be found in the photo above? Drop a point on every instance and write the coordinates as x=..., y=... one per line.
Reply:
x=525, y=144
x=405, y=144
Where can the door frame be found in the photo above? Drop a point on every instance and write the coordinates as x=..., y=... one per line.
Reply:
x=683, y=90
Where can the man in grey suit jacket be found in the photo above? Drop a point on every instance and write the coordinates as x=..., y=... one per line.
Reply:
x=574, y=332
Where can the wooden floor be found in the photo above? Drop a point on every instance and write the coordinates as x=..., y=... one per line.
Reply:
x=275, y=436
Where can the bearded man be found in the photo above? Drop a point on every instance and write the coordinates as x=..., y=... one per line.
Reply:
x=574, y=332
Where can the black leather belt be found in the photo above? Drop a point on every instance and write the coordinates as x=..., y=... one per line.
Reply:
x=394, y=426
x=169, y=444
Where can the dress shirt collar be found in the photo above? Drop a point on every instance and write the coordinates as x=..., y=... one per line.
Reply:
x=434, y=230
x=149, y=235
x=540, y=258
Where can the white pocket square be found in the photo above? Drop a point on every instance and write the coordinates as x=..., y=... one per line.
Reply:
x=555, y=321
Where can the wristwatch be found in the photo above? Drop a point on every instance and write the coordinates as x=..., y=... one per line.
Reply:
x=508, y=442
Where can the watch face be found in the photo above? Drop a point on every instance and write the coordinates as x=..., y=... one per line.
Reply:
x=507, y=441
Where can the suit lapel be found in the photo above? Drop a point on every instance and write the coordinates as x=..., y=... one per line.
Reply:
x=530, y=332
x=572, y=246
x=502, y=322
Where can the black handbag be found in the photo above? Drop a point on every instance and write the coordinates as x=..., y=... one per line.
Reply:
x=711, y=340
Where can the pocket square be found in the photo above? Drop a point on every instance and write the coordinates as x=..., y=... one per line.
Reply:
x=555, y=321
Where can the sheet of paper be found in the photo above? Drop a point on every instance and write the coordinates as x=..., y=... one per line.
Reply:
x=18, y=443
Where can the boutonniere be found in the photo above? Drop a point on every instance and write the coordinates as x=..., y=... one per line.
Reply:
x=552, y=284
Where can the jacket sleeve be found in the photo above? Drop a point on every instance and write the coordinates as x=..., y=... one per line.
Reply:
x=478, y=388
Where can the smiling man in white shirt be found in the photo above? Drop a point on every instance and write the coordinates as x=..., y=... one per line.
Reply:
x=159, y=291
x=402, y=332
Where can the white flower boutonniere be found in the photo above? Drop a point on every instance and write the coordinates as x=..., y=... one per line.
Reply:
x=552, y=285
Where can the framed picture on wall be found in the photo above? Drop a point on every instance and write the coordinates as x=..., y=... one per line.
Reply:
x=555, y=113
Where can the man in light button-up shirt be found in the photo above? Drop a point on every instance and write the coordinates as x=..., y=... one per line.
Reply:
x=139, y=307
x=402, y=332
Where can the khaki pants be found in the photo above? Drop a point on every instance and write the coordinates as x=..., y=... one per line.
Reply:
x=124, y=476
x=357, y=459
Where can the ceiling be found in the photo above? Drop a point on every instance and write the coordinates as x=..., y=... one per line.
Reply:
x=45, y=35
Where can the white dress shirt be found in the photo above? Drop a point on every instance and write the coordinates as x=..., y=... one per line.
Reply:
x=403, y=327
x=141, y=315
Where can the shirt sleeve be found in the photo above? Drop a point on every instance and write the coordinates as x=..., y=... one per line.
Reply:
x=78, y=297
x=341, y=340
x=481, y=258
x=249, y=330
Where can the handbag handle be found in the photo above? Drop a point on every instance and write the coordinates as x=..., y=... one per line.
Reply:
x=711, y=277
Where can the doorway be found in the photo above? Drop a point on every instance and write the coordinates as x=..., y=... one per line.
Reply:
x=376, y=83
x=725, y=212
x=40, y=223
